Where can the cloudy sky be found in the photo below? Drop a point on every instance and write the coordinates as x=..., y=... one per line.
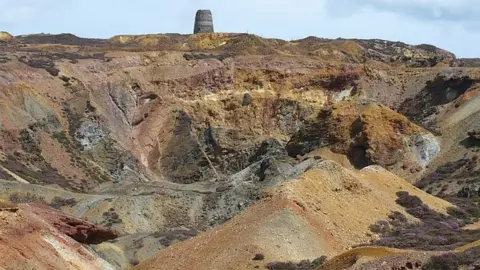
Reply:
x=450, y=24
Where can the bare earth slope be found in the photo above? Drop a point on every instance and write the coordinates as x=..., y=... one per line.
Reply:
x=34, y=237
x=218, y=145
x=325, y=211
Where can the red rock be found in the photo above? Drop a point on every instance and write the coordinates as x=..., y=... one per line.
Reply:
x=30, y=241
x=80, y=230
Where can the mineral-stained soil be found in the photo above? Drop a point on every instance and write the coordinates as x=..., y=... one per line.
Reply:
x=314, y=215
x=368, y=133
x=203, y=150
x=35, y=237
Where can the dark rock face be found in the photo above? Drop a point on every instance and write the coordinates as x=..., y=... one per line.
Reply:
x=203, y=22
x=184, y=161
x=442, y=90
x=474, y=134
x=197, y=153
x=311, y=136
x=353, y=129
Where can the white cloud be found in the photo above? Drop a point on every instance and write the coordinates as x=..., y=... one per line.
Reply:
x=452, y=10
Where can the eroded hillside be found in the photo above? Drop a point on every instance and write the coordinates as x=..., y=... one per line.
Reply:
x=163, y=137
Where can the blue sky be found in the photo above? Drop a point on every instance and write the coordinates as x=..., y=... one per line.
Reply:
x=450, y=24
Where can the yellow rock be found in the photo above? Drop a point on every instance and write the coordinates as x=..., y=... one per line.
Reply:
x=5, y=36
x=122, y=39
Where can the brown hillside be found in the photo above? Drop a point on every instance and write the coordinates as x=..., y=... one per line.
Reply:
x=210, y=148
x=323, y=212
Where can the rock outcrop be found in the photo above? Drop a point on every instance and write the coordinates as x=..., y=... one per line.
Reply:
x=369, y=134
x=80, y=230
x=32, y=241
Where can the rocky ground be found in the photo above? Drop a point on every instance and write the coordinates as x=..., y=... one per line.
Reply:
x=216, y=147
x=37, y=237
x=314, y=215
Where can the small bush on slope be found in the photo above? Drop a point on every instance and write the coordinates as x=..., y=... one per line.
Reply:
x=408, y=201
x=111, y=218
x=469, y=259
x=303, y=265
x=468, y=209
x=435, y=232
x=59, y=202
x=26, y=197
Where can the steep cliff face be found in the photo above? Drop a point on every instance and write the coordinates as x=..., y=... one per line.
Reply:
x=368, y=134
x=132, y=116
x=100, y=110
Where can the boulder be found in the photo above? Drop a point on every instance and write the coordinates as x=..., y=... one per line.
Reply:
x=80, y=230
x=474, y=134
x=36, y=237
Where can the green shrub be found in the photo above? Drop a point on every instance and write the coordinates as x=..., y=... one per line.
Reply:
x=59, y=202
x=408, y=201
x=26, y=197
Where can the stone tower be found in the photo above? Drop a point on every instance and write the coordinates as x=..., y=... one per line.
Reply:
x=203, y=22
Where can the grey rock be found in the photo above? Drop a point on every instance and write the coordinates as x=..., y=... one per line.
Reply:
x=89, y=134
x=247, y=99
x=426, y=147
x=248, y=185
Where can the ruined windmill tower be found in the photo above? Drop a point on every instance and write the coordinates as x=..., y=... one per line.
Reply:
x=203, y=22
